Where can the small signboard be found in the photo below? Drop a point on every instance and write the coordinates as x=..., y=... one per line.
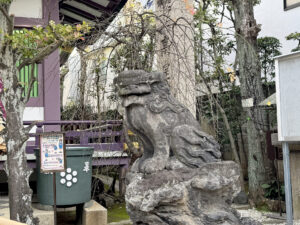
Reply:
x=52, y=152
x=287, y=69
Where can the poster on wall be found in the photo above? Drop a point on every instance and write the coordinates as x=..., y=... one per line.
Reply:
x=52, y=152
x=288, y=4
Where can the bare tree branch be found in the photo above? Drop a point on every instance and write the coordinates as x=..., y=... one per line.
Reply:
x=43, y=53
x=27, y=129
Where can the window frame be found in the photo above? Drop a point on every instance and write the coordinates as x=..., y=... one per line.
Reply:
x=35, y=101
x=291, y=6
x=39, y=100
x=24, y=75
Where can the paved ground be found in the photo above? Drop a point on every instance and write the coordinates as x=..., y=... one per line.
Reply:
x=263, y=217
x=3, y=205
x=266, y=218
x=44, y=215
x=125, y=222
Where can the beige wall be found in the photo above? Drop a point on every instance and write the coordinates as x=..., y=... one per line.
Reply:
x=291, y=2
x=27, y=8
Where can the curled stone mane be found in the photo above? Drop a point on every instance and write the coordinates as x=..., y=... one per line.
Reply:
x=165, y=126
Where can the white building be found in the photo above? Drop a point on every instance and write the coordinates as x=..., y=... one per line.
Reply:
x=278, y=18
x=98, y=58
x=279, y=21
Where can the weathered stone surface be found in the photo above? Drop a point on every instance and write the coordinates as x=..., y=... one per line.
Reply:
x=241, y=198
x=179, y=180
x=171, y=136
x=185, y=196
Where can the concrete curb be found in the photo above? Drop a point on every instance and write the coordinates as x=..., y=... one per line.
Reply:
x=123, y=222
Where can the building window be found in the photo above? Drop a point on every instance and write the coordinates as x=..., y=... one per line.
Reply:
x=289, y=4
x=25, y=74
x=24, y=78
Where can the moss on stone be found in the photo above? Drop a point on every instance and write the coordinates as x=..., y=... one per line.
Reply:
x=117, y=213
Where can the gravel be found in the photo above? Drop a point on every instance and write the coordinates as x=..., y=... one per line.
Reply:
x=265, y=217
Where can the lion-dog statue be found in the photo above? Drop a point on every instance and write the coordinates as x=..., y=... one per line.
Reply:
x=171, y=136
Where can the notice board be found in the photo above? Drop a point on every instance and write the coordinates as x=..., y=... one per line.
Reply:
x=52, y=152
x=287, y=68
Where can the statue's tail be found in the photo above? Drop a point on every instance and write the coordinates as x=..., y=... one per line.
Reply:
x=194, y=147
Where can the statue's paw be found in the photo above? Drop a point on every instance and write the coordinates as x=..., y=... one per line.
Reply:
x=152, y=165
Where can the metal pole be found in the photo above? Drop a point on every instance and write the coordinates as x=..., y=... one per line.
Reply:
x=287, y=183
x=54, y=198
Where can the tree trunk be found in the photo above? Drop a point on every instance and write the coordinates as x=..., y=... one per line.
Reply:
x=82, y=83
x=251, y=90
x=63, y=72
x=229, y=132
x=18, y=172
x=232, y=144
x=217, y=67
x=16, y=167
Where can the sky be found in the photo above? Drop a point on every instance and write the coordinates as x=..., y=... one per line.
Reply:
x=144, y=2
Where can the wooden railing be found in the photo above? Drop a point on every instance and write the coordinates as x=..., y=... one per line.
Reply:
x=103, y=135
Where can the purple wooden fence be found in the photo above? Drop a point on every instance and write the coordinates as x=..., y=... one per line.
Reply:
x=104, y=136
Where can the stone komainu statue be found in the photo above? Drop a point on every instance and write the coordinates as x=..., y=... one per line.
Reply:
x=171, y=136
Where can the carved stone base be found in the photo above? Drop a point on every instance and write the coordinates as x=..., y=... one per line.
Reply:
x=185, y=196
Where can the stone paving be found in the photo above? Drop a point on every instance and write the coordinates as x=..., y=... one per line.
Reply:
x=263, y=217
x=93, y=213
x=46, y=216
x=3, y=205
x=267, y=218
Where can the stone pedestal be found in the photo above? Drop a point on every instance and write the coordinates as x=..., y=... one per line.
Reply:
x=95, y=214
x=185, y=196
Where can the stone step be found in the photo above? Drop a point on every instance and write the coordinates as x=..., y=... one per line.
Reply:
x=241, y=207
x=123, y=222
x=274, y=218
x=96, y=214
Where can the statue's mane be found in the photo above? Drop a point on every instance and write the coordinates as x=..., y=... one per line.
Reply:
x=136, y=77
x=161, y=86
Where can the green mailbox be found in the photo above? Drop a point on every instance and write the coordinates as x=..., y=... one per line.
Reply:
x=72, y=186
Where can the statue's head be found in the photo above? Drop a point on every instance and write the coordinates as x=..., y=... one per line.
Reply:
x=137, y=82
